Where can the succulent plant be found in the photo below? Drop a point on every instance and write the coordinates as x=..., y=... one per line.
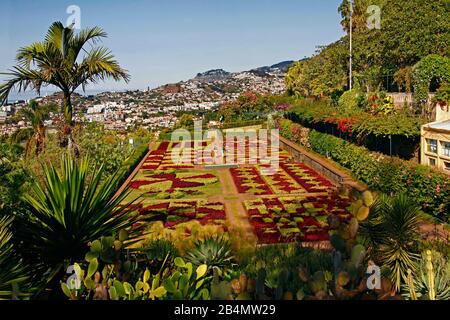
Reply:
x=160, y=250
x=213, y=251
x=363, y=213
x=367, y=198
x=431, y=280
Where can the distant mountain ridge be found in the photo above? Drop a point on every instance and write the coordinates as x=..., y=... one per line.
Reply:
x=219, y=74
x=280, y=68
x=212, y=75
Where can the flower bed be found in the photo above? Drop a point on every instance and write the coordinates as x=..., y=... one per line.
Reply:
x=291, y=219
x=173, y=213
x=248, y=180
x=282, y=183
x=308, y=178
x=186, y=183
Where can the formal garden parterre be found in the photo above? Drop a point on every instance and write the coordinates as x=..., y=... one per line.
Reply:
x=290, y=205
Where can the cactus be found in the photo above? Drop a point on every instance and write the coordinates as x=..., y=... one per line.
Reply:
x=430, y=274
x=412, y=289
x=363, y=213
x=318, y=282
x=357, y=255
x=343, y=278
x=103, y=287
x=337, y=242
x=185, y=284
x=367, y=198
x=220, y=290
x=353, y=228
x=354, y=207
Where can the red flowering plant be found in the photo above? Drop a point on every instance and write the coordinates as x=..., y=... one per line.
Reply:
x=344, y=125
x=282, y=107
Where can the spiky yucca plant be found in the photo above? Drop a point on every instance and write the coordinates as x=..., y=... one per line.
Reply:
x=212, y=251
x=12, y=273
x=71, y=208
x=391, y=232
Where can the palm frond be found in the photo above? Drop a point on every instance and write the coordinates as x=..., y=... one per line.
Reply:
x=85, y=36
x=391, y=232
x=100, y=64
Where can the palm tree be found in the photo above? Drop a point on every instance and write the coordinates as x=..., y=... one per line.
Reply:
x=63, y=61
x=36, y=115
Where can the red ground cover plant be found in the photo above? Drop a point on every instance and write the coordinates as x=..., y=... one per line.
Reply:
x=306, y=177
x=280, y=220
x=175, y=213
x=243, y=177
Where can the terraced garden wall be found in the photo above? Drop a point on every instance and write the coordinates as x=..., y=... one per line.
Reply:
x=322, y=166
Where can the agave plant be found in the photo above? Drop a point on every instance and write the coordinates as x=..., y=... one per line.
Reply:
x=12, y=273
x=212, y=251
x=158, y=250
x=418, y=286
x=71, y=208
x=392, y=232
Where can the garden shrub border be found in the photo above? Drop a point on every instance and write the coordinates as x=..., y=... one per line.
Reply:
x=383, y=173
x=373, y=131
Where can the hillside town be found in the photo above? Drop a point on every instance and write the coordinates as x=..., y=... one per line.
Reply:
x=157, y=108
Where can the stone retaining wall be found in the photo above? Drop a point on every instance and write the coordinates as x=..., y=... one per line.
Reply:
x=340, y=178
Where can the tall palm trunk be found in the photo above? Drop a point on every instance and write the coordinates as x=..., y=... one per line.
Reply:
x=40, y=138
x=68, y=122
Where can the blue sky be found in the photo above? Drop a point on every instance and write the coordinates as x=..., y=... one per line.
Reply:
x=164, y=41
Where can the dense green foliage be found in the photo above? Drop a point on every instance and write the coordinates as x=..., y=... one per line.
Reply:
x=431, y=68
x=361, y=123
x=13, y=178
x=389, y=175
x=442, y=96
x=378, y=54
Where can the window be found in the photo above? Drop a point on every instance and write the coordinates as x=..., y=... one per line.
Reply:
x=447, y=166
x=432, y=162
x=432, y=145
x=446, y=149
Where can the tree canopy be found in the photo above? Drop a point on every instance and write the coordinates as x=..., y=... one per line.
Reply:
x=378, y=54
